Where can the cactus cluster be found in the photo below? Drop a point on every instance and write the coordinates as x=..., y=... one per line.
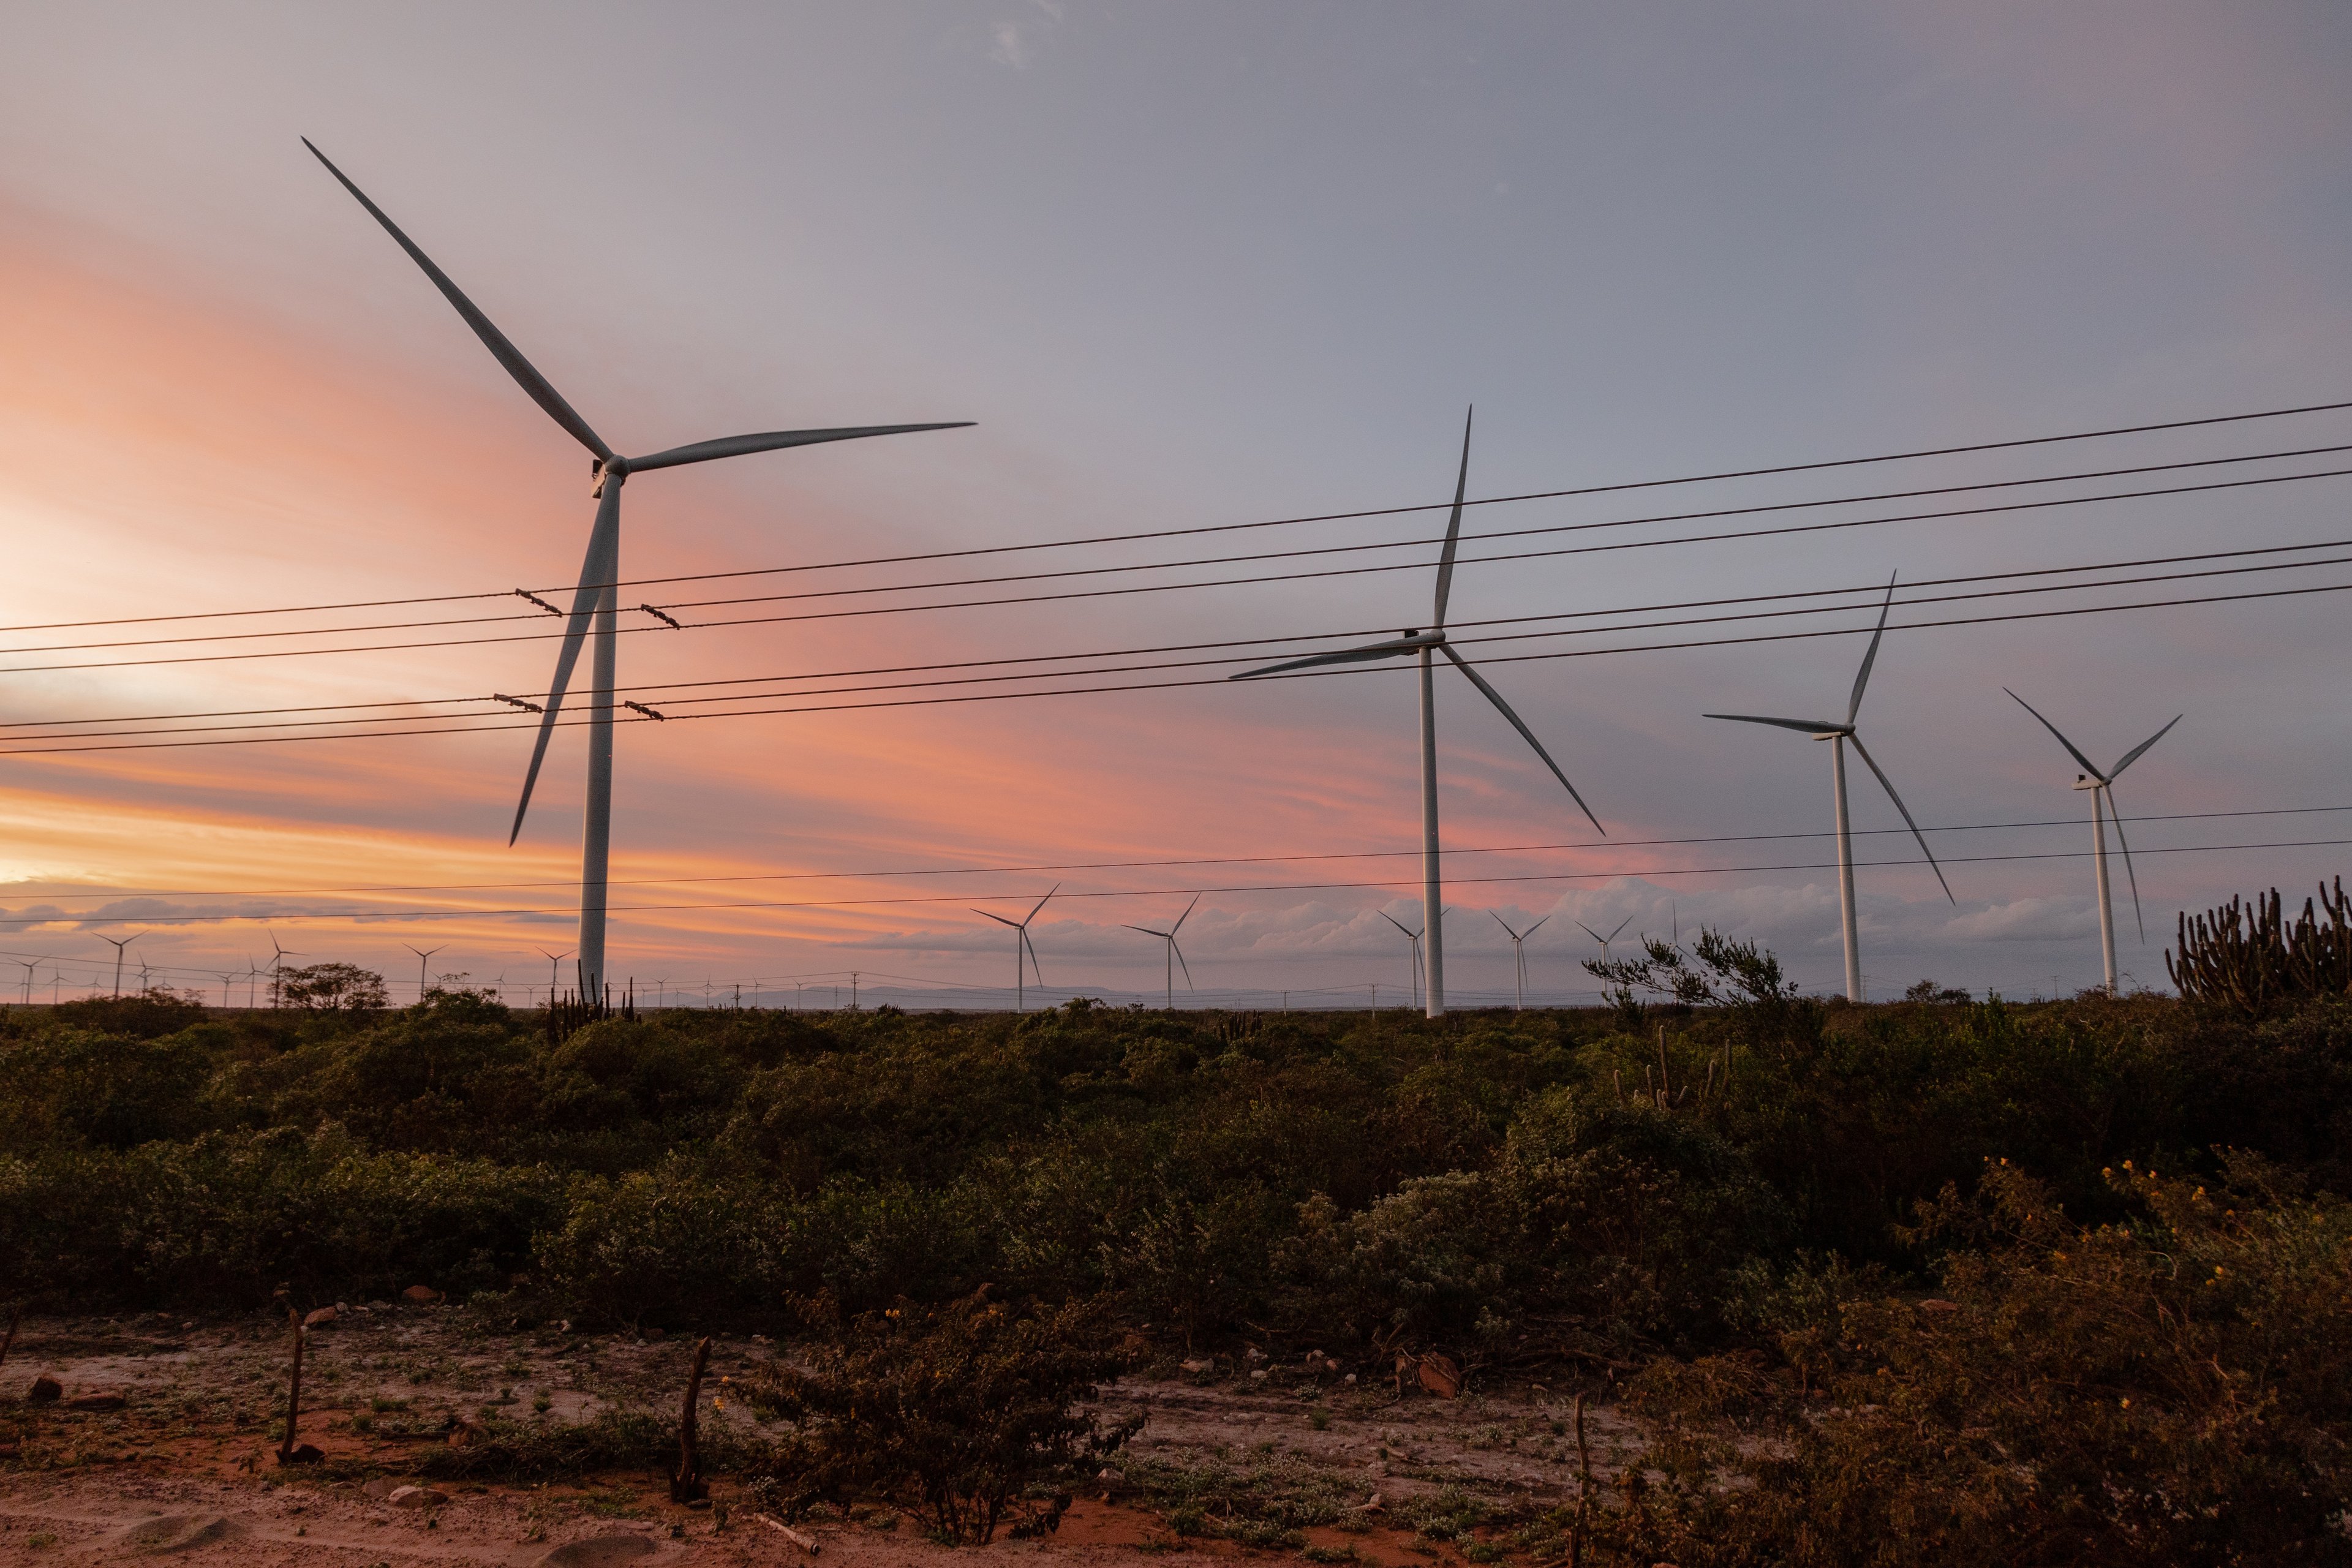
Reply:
x=2249, y=958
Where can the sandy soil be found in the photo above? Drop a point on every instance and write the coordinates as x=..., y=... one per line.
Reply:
x=184, y=1470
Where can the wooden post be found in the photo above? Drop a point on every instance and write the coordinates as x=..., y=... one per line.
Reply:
x=293, y=1397
x=1583, y=1490
x=688, y=1485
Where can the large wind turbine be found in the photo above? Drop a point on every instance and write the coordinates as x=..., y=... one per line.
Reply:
x=1021, y=944
x=1412, y=937
x=595, y=600
x=2104, y=784
x=1837, y=735
x=1604, y=940
x=1175, y=954
x=1519, y=956
x=1426, y=645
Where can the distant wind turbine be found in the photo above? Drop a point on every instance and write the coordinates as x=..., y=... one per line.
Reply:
x=1175, y=954
x=1605, y=940
x=1838, y=734
x=278, y=955
x=120, y=944
x=554, y=963
x=1519, y=956
x=1426, y=645
x=29, y=968
x=1021, y=944
x=1414, y=938
x=596, y=597
x=2104, y=784
x=423, y=955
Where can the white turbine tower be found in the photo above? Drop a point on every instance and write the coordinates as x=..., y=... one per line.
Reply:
x=1426, y=645
x=423, y=955
x=1519, y=956
x=2104, y=784
x=1838, y=734
x=1021, y=944
x=595, y=600
x=1175, y=954
x=1605, y=940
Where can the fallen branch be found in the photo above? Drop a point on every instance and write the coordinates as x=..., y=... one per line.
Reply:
x=687, y=1484
x=805, y=1542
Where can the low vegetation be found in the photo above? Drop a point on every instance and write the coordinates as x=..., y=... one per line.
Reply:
x=1896, y=1283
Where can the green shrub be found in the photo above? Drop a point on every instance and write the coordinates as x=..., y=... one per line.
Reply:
x=962, y=1403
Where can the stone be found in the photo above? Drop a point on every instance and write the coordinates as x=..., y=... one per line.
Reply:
x=1258, y=1376
x=376, y=1489
x=1937, y=1306
x=1440, y=1374
x=1199, y=1364
x=46, y=1390
x=96, y=1399
x=174, y=1533
x=415, y=1497
x=598, y=1552
x=421, y=1295
x=320, y=1318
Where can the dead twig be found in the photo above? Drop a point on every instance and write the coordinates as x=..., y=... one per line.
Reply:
x=686, y=1485
x=805, y=1542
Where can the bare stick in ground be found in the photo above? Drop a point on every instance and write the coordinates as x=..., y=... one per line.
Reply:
x=688, y=1485
x=287, y=1453
x=1583, y=1490
x=15, y=1315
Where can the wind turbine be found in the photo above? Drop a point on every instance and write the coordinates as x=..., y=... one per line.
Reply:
x=1520, y=955
x=1837, y=735
x=1605, y=940
x=423, y=955
x=1021, y=944
x=553, y=960
x=278, y=955
x=120, y=944
x=2104, y=784
x=596, y=597
x=1414, y=938
x=28, y=969
x=1175, y=954
x=228, y=978
x=1426, y=645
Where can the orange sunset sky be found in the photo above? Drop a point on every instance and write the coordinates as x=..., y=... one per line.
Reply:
x=1185, y=267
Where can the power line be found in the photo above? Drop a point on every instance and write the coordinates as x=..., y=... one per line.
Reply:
x=463, y=728
x=1408, y=881
x=1873, y=589
x=2209, y=420
x=2070, y=822
x=1132, y=567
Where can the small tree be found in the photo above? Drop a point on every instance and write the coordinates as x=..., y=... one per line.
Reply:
x=963, y=1403
x=334, y=988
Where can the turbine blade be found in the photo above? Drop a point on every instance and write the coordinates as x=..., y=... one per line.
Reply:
x=1620, y=926
x=1410, y=936
x=1527, y=734
x=1390, y=650
x=526, y=375
x=1041, y=904
x=1182, y=918
x=1148, y=932
x=595, y=574
x=1531, y=930
x=1452, y=528
x=1504, y=924
x=1888, y=785
x=1181, y=964
x=1870, y=656
x=769, y=440
x=1034, y=967
x=1591, y=933
x=999, y=919
x=2071, y=749
x=2129, y=875
x=1803, y=726
x=2133, y=756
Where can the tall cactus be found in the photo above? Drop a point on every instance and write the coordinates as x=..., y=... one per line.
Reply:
x=2249, y=958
